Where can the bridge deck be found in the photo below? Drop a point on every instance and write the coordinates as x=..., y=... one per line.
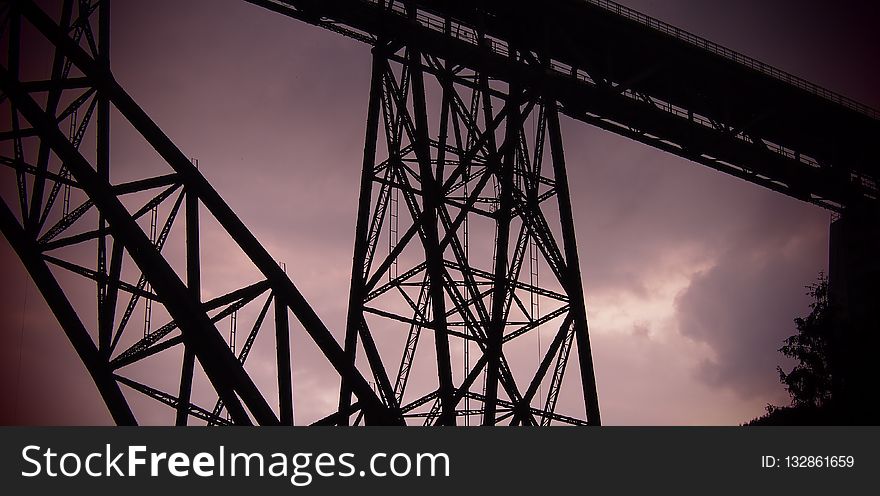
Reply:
x=626, y=72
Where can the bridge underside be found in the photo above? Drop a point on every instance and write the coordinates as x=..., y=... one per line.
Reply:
x=633, y=75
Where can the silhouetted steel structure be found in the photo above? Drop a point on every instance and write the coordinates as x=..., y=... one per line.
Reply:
x=464, y=227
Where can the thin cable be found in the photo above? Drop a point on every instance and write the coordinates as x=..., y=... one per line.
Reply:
x=20, y=350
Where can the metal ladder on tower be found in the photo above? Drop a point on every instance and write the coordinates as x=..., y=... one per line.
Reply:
x=148, y=302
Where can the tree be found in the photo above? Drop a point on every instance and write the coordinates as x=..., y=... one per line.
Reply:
x=809, y=382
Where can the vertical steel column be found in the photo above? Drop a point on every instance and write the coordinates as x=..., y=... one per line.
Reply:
x=356, y=291
x=433, y=253
x=574, y=286
x=282, y=350
x=32, y=220
x=14, y=52
x=103, y=167
x=193, y=281
x=502, y=245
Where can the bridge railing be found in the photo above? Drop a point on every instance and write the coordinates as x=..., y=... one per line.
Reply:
x=733, y=55
x=461, y=32
x=468, y=34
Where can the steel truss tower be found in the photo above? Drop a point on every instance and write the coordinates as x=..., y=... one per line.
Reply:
x=456, y=238
x=68, y=221
x=461, y=210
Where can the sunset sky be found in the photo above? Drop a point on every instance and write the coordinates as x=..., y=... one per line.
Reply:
x=692, y=278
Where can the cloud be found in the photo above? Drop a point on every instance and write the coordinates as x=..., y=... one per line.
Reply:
x=692, y=280
x=742, y=307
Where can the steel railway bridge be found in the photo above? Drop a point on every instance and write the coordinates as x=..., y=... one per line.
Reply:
x=463, y=126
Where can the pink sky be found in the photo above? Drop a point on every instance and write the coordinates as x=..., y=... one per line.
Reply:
x=691, y=278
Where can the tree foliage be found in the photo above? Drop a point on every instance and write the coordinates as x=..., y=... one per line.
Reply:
x=809, y=382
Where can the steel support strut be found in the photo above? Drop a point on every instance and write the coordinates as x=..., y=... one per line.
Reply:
x=500, y=289
x=66, y=315
x=199, y=334
x=219, y=364
x=358, y=271
x=193, y=281
x=431, y=198
x=573, y=274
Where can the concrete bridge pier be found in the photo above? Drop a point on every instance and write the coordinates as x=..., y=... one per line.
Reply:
x=854, y=295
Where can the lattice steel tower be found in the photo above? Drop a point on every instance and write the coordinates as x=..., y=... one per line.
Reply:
x=469, y=196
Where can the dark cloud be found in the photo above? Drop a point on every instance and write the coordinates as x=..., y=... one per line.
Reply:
x=743, y=306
